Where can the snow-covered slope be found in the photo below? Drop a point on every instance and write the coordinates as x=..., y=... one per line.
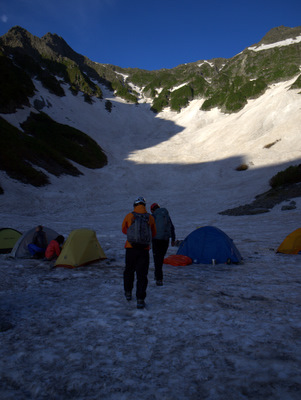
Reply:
x=211, y=332
x=186, y=158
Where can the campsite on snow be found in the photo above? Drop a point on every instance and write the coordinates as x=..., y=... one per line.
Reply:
x=222, y=330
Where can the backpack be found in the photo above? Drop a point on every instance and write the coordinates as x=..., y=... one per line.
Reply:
x=139, y=234
x=163, y=224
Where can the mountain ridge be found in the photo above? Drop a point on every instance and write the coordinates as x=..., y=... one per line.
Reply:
x=224, y=83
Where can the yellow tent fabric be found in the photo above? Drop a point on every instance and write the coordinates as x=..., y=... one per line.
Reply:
x=81, y=248
x=8, y=238
x=292, y=243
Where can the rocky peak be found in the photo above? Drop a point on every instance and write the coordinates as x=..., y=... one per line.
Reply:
x=53, y=45
x=280, y=33
x=57, y=44
x=17, y=37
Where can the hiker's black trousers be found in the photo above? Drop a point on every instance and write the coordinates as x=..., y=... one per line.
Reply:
x=159, y=250
x=136, y=260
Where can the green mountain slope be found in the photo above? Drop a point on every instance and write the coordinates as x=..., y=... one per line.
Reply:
x=224, y=83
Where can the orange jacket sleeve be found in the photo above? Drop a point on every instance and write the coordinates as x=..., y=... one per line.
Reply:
x=127, y=222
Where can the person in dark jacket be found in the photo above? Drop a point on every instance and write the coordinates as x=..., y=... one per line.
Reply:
x=160, y=243
x=39, y=243
x=136, y=258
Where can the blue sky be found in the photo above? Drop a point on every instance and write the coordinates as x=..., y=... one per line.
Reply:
x=152, y=34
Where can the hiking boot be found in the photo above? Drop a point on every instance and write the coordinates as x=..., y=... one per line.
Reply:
x=159, y=283
x=128, y=295
x=140, y=304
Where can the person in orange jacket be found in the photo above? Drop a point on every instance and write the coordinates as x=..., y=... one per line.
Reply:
x=137, y=258
x=53, y=249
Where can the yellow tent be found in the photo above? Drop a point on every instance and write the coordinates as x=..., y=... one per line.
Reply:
x=8, y=238
x=291, y=244
x=81, y=248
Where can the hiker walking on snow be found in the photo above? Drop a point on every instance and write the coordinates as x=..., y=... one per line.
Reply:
x=165, y=230
x=139, y=226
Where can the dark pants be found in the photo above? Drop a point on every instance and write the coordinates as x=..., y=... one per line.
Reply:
x=136, y=260
x=159, y=250
x=36, y=250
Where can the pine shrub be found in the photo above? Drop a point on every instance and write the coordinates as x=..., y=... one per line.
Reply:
x=180, y=98
x=290, y=175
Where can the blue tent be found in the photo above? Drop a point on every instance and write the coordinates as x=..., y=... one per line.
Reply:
x=207, y=243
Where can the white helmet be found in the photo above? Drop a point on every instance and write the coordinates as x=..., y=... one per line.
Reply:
x=140, y=200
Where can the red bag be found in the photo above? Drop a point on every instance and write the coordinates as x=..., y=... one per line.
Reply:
x=178, y=260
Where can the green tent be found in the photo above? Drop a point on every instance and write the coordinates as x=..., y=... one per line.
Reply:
x=81, y=248
x=8, y=238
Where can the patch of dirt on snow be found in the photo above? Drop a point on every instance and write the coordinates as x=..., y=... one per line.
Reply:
x=266, y=201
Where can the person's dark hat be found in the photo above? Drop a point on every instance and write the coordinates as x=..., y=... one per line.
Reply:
x=154, y=206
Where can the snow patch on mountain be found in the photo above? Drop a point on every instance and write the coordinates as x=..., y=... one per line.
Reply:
x=281, y=43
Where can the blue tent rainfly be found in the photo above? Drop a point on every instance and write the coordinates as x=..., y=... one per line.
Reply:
x=208, y=243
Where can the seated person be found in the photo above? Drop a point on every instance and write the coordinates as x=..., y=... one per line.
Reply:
x=39, y=243
x=54, y=248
